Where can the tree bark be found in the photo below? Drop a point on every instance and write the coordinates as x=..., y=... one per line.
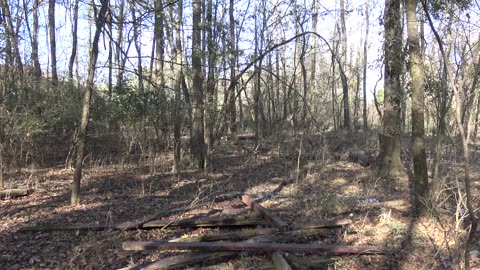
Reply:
x=343, y=42
x=99, y=23
x=233, y=61
x=197, y=139
x=365, y=64
x=178, y=87
x=388, y=162
x=52, y=41
x=73, y=55
x=35, y=57
x=418, y=109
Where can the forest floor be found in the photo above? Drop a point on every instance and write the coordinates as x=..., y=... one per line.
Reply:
x=328, y=186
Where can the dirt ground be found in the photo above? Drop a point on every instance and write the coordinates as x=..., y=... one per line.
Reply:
x=326, y=186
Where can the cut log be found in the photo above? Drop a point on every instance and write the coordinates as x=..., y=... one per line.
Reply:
x=280, y=262
x=220, y=221
x=232, y=236
x=266, y=214
x=139, y=222
x=242, y=246
x=15, y=193
x=181, y=260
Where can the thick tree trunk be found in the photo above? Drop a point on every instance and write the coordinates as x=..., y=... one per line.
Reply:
x=99, y=23
x=197, y=139
x=388, y=162
x=418, y=129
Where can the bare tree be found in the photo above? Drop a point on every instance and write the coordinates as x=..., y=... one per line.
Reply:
x=100, y=18
x=197, y=139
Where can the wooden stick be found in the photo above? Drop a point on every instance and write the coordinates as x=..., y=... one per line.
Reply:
x=242, y=246
x=267, y=214
x=181, y=260
x=280, y=262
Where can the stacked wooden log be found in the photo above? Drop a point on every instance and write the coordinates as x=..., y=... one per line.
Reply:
x=279, y=240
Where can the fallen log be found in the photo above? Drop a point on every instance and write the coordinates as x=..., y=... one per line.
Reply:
x=232, y=236
x=220, y=221
x=181, y=260
x=300, y=231
x=15, y=193
x=280, y=262
x=243, y=246
x=139, y=222
x=266, y=214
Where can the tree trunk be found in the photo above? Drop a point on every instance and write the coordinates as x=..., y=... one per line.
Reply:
x=210, y=87
x=365, y=64
x=418, y=129
x=178, y=85
x=233, y=61
x=35, y=57
x=74, y=39
x=12, y=39
x=342, y=65
x=197, y=139
x=99, y=23
x=52, y=41
x=388, y=162
x=120, y=58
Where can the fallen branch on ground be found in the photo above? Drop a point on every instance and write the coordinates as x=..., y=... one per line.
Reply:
x=242, y=246
x=15, y=193
x=181, y=260
x=221, y=221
